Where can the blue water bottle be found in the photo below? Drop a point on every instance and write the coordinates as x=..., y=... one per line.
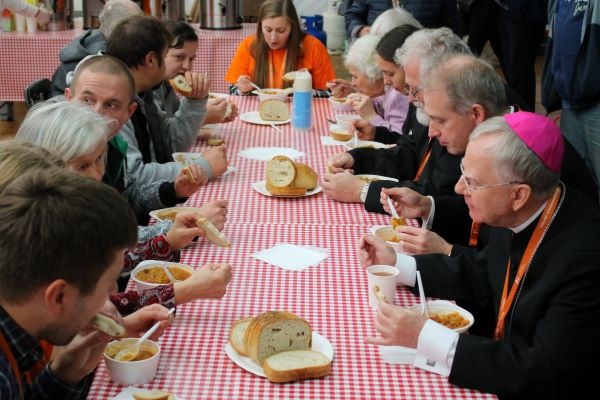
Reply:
x=302, y=100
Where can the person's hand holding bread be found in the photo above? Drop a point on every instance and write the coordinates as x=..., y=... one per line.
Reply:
x=183, y=231
x=189, y=180
x=207, y=282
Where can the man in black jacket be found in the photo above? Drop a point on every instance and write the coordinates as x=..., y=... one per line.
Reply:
x=539, y=273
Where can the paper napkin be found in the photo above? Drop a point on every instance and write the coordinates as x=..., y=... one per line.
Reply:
x=127, y=393
x=329, y=141
x=397, y=354
x=266, y=153
x=292, y=257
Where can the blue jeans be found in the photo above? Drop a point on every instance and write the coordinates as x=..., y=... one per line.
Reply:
x=582, y=129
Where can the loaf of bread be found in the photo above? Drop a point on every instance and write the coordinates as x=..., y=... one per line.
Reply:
x=276, y=331
x=180, y=85
x=281, y=171
x=273, y=110
x=294, y=365
x=237, y=335
x=306, y=177
x=288, y=178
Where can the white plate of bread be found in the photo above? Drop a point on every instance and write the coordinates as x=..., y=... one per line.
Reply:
x=279, y=346
x=288, y=178
x=261, y=187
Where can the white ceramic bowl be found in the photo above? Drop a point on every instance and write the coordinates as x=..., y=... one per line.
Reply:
x=270, y=93
x=444, y=307
x=339, y=104
x=387, y=233
x=132, y=373
x=154, y=263
x=345, y=120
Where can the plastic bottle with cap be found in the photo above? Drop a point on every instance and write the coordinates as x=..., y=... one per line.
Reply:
x=6, y=20
x=302, y=100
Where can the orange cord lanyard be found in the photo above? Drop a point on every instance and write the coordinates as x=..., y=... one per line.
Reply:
x=474, y=237
x=532, y=246
x=33, y=372
x=272, y=72
x=424, y=160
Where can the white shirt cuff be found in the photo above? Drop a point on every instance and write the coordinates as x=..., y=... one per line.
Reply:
x=436, y=347
x=428, y=222
x=408, y=269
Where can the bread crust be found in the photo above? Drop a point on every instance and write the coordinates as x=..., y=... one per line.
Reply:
x=240, y=348
x=290, y=375
x=107, y=325
x=180, y=85
x=306, y=177
x=262, y=321
x=212, y=233
x=287, y=191
x=154, y=395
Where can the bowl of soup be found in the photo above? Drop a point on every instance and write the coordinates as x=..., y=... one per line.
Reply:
x=387, y=233
x=448, y=314
x=339, y=104
x=151, y=273
x=138, y=371
x=270, y=93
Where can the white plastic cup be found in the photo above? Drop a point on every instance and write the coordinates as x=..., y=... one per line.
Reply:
x=20, y=23
x=381, y=278
x=31, y=25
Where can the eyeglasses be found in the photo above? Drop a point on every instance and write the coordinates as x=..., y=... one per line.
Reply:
x=470, y=189
x=407, y=92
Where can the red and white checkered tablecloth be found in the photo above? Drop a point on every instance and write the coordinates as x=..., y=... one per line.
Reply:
x=27, y=57
x=332, y=295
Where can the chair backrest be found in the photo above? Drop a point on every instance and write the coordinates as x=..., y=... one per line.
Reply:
x=39, y=90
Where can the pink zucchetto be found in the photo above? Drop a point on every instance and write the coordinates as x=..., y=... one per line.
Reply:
x=541, y=135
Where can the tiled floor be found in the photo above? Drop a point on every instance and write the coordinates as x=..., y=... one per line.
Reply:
x=9, y=128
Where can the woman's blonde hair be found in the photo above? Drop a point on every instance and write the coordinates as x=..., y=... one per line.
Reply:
x=260, y=48
x=17, y=158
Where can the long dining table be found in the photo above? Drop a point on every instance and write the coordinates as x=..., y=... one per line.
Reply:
x=332, y=295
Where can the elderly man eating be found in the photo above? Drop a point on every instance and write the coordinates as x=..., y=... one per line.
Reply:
x=540, y=272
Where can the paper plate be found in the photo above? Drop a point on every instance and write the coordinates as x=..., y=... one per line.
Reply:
x=364, y=144
x=252, y=117
x=372, y=178
x=319, y=343
x=261, y=187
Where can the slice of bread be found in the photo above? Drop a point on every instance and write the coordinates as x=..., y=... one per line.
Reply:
x=287, y=191
x=294, y=365
x=180, y=85
x=212, y=233
x=306, y=177
x=281, y=171
x=273, y=110
x=107, y=325
x=154, y=395
x=237, y=334
x=276, y=331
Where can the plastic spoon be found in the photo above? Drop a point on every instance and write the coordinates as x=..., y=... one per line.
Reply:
x=131, y=352
x=169, y=274
x=424, y=310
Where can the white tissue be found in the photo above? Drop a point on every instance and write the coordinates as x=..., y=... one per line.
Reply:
x=292, y=257
x=266, y=153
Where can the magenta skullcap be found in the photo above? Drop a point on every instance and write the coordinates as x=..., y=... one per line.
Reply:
x=541, y=135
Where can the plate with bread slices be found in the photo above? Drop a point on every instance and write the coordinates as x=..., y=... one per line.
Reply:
x=253, y=117
x=170, y=213
x=288, y=178
x=279, y=346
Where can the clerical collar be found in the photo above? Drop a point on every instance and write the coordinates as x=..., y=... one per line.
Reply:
x=529, y=220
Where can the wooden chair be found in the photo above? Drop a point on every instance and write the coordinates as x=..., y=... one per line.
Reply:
x=39, y=90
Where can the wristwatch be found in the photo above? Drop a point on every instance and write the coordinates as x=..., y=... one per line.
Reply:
x=363, y=192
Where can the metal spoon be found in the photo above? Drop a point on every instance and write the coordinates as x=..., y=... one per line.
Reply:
x=131, y=352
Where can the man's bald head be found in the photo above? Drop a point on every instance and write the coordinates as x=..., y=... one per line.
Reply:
x=105, y=65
